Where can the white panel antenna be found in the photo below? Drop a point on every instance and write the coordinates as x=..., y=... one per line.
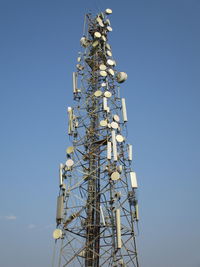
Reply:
x=130, y=152
x=133, y=180
x=109, y=148
x=114, y=145
x=105, y=105
x=124, y=113
x=118, y=228
x=74, y=76
x=61, y=175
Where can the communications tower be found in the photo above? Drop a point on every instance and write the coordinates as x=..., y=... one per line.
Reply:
x=97, y=209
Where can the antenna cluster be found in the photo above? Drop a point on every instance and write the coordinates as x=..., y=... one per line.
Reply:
x=97, y=206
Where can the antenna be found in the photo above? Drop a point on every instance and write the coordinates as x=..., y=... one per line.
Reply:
x=97, y=208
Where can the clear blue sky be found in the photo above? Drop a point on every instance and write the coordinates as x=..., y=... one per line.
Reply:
x=157, y=42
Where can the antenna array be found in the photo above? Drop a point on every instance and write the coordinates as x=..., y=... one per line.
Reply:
x=97, y=206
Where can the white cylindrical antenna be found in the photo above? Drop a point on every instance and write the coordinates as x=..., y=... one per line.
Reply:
x=70, y=120
x=114, y=145
x=130, y=152
x=109, y=148
x=105, y=106
x=118, y=228
x=61, y=175
x=60, y=207
x=102, y=216
x=133, y=180
x=124, y=113
x=74, y=76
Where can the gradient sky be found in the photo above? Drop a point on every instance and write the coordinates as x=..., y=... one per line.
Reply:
x=157, y=42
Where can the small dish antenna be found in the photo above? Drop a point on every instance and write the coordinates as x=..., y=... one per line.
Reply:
x=110, y=62
x=107, y=94
x=103, y=123
x=104, y=38
x=115, y=176
x=109, y=28
x=108, y=11
x=70, y=150
x=111, y=71
x=69, y=163
x=119, y=138
x=114, y=125
x=108, y=46
x=97, y=34
x=109, y=53
x=98, y=93
x=116, y=118
x=103, y=73
x=102, y=67
x=57, y=233
x=121, y=77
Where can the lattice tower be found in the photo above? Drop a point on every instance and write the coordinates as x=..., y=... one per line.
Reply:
x=97, y=208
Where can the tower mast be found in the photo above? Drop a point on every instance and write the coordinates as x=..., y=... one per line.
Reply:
x=97, y=207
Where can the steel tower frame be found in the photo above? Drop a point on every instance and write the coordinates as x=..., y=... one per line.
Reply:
x=97, y=208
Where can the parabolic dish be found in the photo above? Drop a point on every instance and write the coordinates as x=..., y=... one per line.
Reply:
x=103, y=123
x=103, y=38
x=108, y=11
x=70, y=150
x=114, y=63
x=97, y=34
x=98, y=19
x=109, y=28
x=79, y=67
x=115, y=176
x=121, y=77
x=116, y=118
x=107, y=94
x=101, y=24
x=84, y=42
x=102, y=67
x=108, y=46
x=98, y=93
x=110, y=62
x=95, y=43
x=114, y=125
x=119, y=138
x=69, y=163
x=109, y=53
x=111, y=71
x=103, y=84
x=103, y=73
x=57, y=233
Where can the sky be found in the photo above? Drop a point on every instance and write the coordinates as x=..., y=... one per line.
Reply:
x=157, y=43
